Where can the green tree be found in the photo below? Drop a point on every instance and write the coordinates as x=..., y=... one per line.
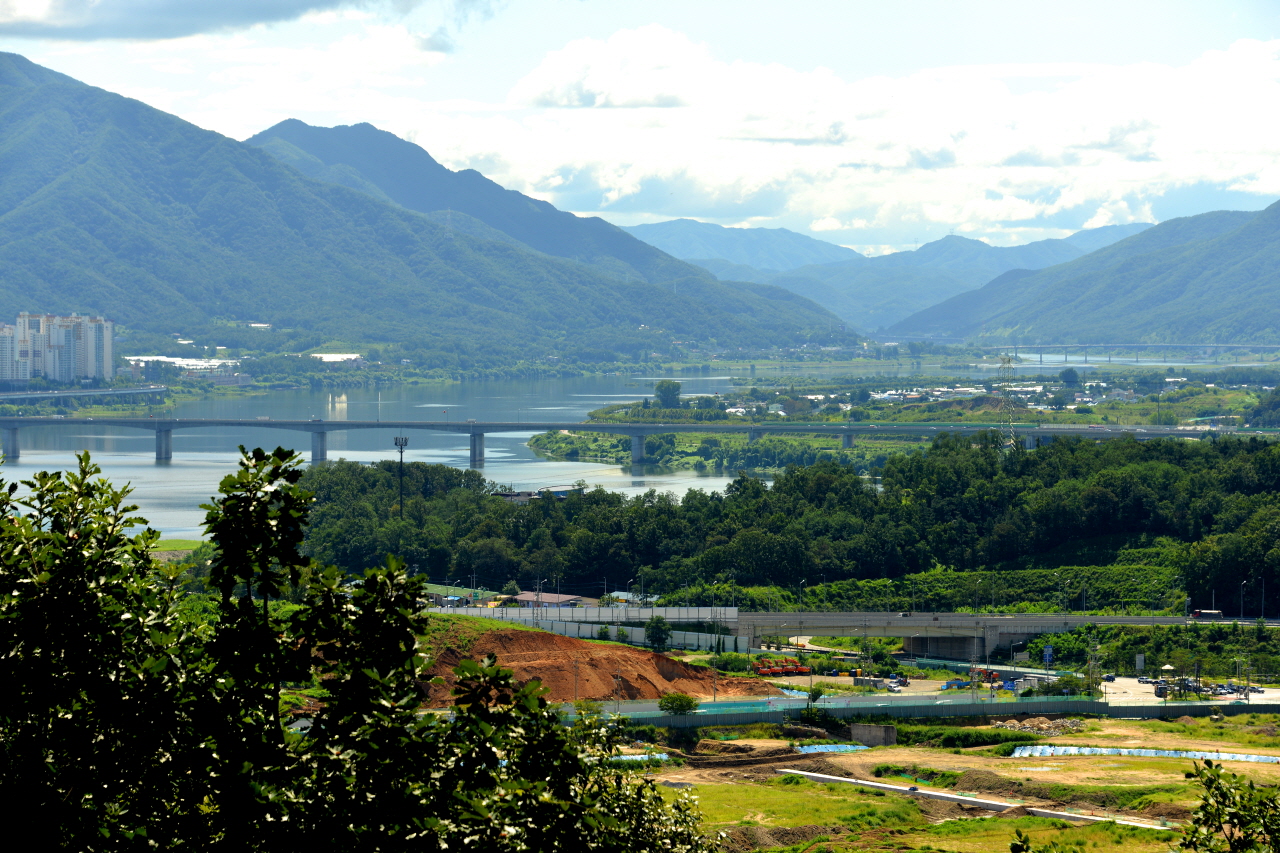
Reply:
x=677, y=704
x=130, y=730
x=511, y=588
x=666, y=394
x=1235, y=815
x=657, y=632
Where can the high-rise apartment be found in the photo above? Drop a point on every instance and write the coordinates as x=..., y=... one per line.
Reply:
x=63, y=349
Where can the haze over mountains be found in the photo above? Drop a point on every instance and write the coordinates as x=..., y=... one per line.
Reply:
x=110, y=206
x=1214, y=277
x=869, y=293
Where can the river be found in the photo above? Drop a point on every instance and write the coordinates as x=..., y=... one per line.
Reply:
x=169, y=493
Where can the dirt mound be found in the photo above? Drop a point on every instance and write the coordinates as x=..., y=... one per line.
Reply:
x=805, y=732
x=1167, y=811
x=571, y=669
x=1014, y=811
x=722, y=747
x=740, y=839
x=984, y=780
x=1266, y=731
x=1186, y=721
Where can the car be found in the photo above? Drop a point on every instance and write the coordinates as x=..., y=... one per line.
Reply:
x=1108, y=677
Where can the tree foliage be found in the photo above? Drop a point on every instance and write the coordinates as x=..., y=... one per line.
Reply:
x=677, y=704
x=1207, y=512
x=125, y=726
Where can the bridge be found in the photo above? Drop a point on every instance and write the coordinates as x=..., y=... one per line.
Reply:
x=1031, y=434
x=958, y=636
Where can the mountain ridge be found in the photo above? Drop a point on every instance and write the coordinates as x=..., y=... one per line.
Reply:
x=1168, y=279
x=113, y=207
x=407, y=174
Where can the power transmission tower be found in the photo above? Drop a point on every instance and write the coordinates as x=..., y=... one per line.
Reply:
x=1008, y=407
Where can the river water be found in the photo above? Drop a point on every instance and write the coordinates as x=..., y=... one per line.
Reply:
x=169, y=493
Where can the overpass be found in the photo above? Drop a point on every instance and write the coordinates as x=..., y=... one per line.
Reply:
x=1031, y=434
x=958, y=636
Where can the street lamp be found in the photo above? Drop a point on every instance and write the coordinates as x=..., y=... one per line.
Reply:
x=401, y=443
x=1242, y=583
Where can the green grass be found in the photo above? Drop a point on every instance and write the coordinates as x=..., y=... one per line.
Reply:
x=179, y=544
x=445, y=631
x=1238, y=729
x=959, y=737
x=795, y=801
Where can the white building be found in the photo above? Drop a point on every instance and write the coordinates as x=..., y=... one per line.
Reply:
x=63, y=349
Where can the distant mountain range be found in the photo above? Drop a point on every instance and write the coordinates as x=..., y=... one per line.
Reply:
x=1212, y=277
x=764, y=249
x=868, y=293
x=112, y=207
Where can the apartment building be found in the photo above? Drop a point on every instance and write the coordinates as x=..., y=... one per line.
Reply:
x=62, y=349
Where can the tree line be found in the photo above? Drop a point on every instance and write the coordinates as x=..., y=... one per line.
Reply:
x=1209, y=511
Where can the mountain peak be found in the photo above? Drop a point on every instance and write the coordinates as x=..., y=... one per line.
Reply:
x=17, y=71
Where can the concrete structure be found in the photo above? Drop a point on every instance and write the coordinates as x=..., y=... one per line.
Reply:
x=869, y=735
x=1031, y=434
x=547, y=599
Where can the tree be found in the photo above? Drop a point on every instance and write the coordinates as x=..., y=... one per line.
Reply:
x=1234, y=816
x=657, y=632
x=667, y=394
x=511, y=588
x=129, y=727
x=1070, y=377
x=677, y=704
x=602, y=633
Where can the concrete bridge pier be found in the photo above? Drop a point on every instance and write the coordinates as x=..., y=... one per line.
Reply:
x=753, y=434
x=846, y=442
x=164, y=445
x=637, y=449
x=319, y=446
x=477, y=450
x=1029, y=442
x=11, y=444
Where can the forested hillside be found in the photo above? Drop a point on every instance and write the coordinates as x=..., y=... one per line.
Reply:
x=382, y=164
x=1207, y=512
x=1210, y=278
x=109, y=206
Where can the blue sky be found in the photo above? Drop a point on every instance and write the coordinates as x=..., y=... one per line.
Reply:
x=874, y=125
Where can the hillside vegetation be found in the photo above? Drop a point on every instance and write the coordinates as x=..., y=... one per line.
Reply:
x=377, y=162
x=1206, y=278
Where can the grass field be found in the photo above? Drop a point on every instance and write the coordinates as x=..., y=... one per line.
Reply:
x=179, y=544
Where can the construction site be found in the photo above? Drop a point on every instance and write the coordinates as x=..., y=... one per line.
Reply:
x=775, y=765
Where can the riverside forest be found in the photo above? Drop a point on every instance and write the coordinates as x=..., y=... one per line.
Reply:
x=1118, y=526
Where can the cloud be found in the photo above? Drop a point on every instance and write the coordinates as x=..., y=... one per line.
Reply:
x=981, y=149
x=160, y=19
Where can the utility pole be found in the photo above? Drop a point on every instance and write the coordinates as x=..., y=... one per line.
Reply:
x=401, y=443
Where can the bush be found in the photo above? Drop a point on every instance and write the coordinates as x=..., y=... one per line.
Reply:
x=677, y=704
x=951, y=737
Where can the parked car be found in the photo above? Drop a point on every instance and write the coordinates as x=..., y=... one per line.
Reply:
x=1108, y=677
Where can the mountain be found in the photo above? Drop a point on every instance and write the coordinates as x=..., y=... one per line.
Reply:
x=112, y=207
x=1212, y=277
x=871, y=293
x=773, y=249
x=390, y=168
x=1093, y=239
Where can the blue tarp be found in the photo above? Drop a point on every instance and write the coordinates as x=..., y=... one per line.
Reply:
x=1053, y=751
x=799, y=694
x=831, y=747
x=660, y=756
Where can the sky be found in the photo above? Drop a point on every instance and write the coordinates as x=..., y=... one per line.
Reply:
x=874, y=125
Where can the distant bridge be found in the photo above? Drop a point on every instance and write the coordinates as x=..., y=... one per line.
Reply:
x=1031, y=434
x=948, y=635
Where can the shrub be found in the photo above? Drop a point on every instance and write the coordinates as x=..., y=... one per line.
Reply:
x=677, y=703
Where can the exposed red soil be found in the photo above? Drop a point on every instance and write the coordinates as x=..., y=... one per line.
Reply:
x=550, y=658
